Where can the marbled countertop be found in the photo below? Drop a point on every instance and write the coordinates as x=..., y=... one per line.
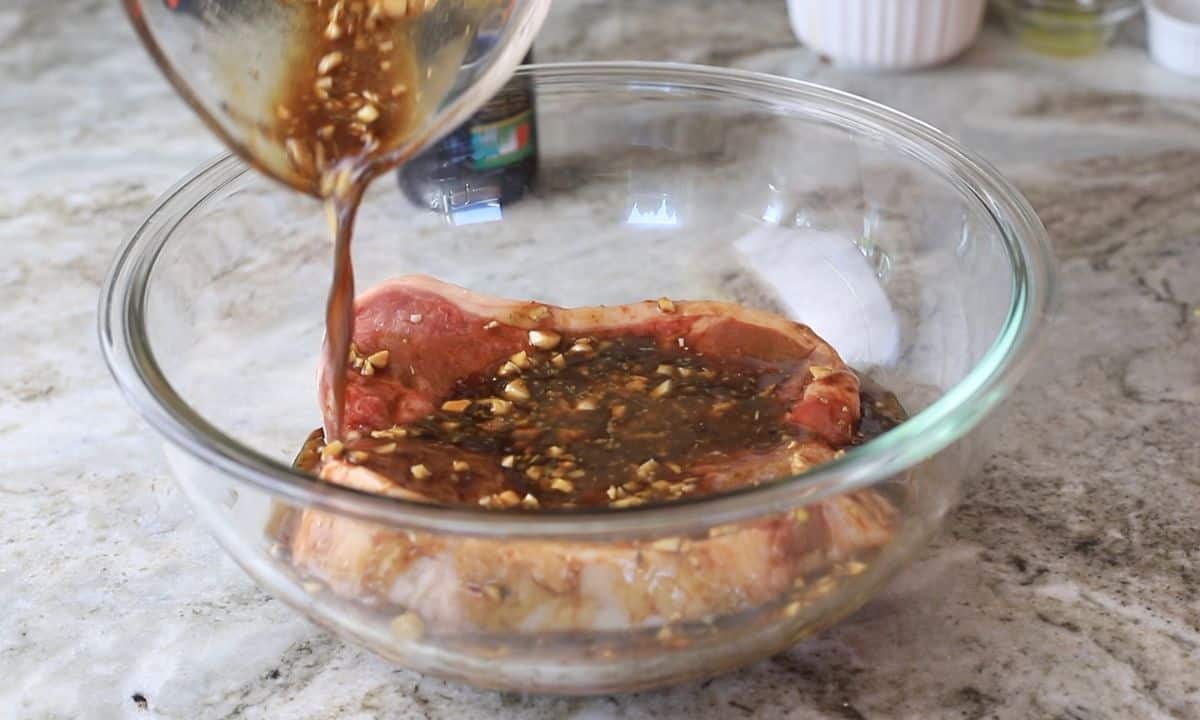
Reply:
x=1067, y=585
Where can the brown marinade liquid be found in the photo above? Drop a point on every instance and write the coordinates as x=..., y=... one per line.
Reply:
x=346, y=99
x=627, y=421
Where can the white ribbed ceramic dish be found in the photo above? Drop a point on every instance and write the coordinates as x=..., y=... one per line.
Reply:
x=887, y=34
x=1173, y=28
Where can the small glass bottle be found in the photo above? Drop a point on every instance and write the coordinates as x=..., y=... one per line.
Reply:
x=488, y=161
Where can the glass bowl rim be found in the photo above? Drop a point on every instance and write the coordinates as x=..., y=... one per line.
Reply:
x=959, y=409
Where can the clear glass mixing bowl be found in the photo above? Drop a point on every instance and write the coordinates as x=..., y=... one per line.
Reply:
x=911, y=255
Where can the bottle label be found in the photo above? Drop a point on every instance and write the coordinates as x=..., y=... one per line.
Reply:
x=501, y=143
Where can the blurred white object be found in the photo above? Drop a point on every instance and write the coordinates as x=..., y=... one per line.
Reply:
x=837, y=294
x=1173, y=27
x=887, y=34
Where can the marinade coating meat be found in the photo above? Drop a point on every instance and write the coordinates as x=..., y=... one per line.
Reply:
x=466, y=585
x=436, y=334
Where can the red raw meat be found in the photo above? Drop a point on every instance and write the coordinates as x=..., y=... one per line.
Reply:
x=437, y=333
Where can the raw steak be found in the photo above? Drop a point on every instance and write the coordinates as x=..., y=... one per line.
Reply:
x=416, y=340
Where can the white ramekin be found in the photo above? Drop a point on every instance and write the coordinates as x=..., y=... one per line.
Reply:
x=887, y=34
x=1173, y=28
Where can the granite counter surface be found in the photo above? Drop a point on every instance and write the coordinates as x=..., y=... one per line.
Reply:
x=1067, y=585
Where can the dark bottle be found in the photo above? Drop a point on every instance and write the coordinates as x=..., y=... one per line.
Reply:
x=488, y=161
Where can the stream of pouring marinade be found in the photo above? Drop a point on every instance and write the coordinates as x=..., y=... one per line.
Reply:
x=347, y=99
